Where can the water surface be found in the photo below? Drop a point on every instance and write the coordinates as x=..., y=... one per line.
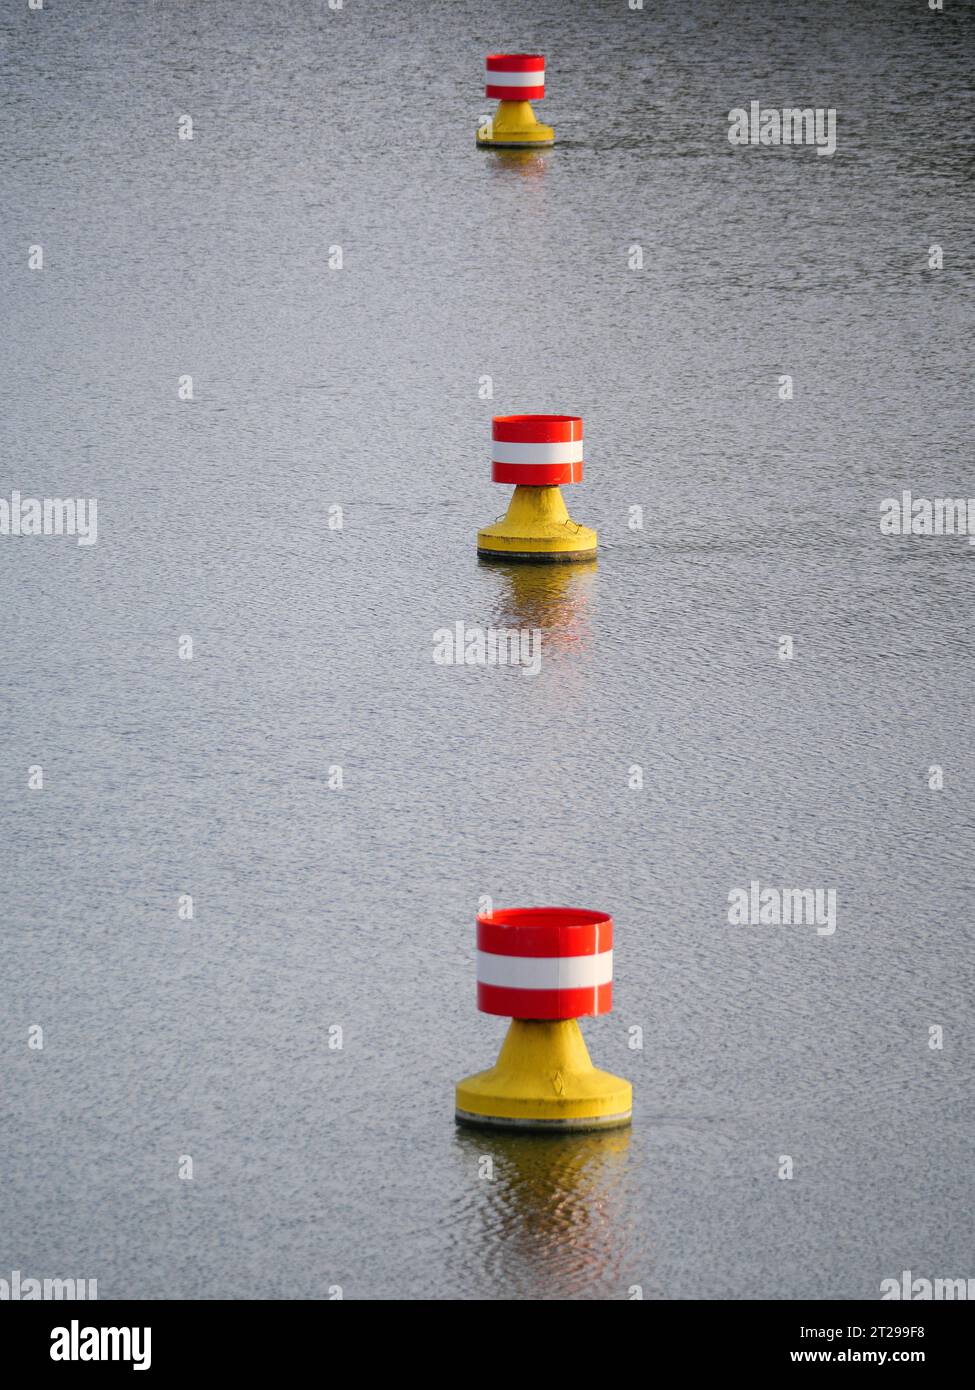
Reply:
x=314, y=907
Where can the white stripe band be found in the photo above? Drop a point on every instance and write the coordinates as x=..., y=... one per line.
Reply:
x=510, y=451
x=516, y=79
x=545, y=972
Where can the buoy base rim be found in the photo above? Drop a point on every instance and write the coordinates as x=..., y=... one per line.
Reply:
x=496, y=1097
x=535, y=557
x=572, y=1125
x=529, y=143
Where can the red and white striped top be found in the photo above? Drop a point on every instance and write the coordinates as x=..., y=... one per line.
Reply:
x=539, y=450
x=544, y=962
x=515, y=77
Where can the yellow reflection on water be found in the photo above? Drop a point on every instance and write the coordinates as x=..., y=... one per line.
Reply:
x=555, y=598
x=529, y=164
x=552, y=1216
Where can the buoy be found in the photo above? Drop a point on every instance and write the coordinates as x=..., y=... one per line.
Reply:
x=515, y=80
x=536, y=453
x=544, y=968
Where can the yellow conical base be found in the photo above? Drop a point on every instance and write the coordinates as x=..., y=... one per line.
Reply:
x=514, y=125
x=543, y=1079
x=536, y=527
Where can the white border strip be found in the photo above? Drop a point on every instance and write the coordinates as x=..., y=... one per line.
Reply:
x=544, y=972
x=511, y=451
x=497, y=78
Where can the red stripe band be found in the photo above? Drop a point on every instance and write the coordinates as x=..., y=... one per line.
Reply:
x=537, y=474
x=515, y=62
x=544, y=931
x=537, y=429
x=544, y=1003
x=494, y=92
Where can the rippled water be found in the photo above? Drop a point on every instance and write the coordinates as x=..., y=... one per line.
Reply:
x=314, y=907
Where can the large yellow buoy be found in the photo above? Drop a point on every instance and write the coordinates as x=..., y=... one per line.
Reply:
x=536, y=453
x=544, y=967
x=515, y=80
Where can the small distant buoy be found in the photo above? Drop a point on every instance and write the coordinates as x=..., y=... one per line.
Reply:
x=515, y=80
x=544, y=968
x=536, y=453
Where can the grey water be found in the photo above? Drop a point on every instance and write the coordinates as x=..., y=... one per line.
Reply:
x=319, y=908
